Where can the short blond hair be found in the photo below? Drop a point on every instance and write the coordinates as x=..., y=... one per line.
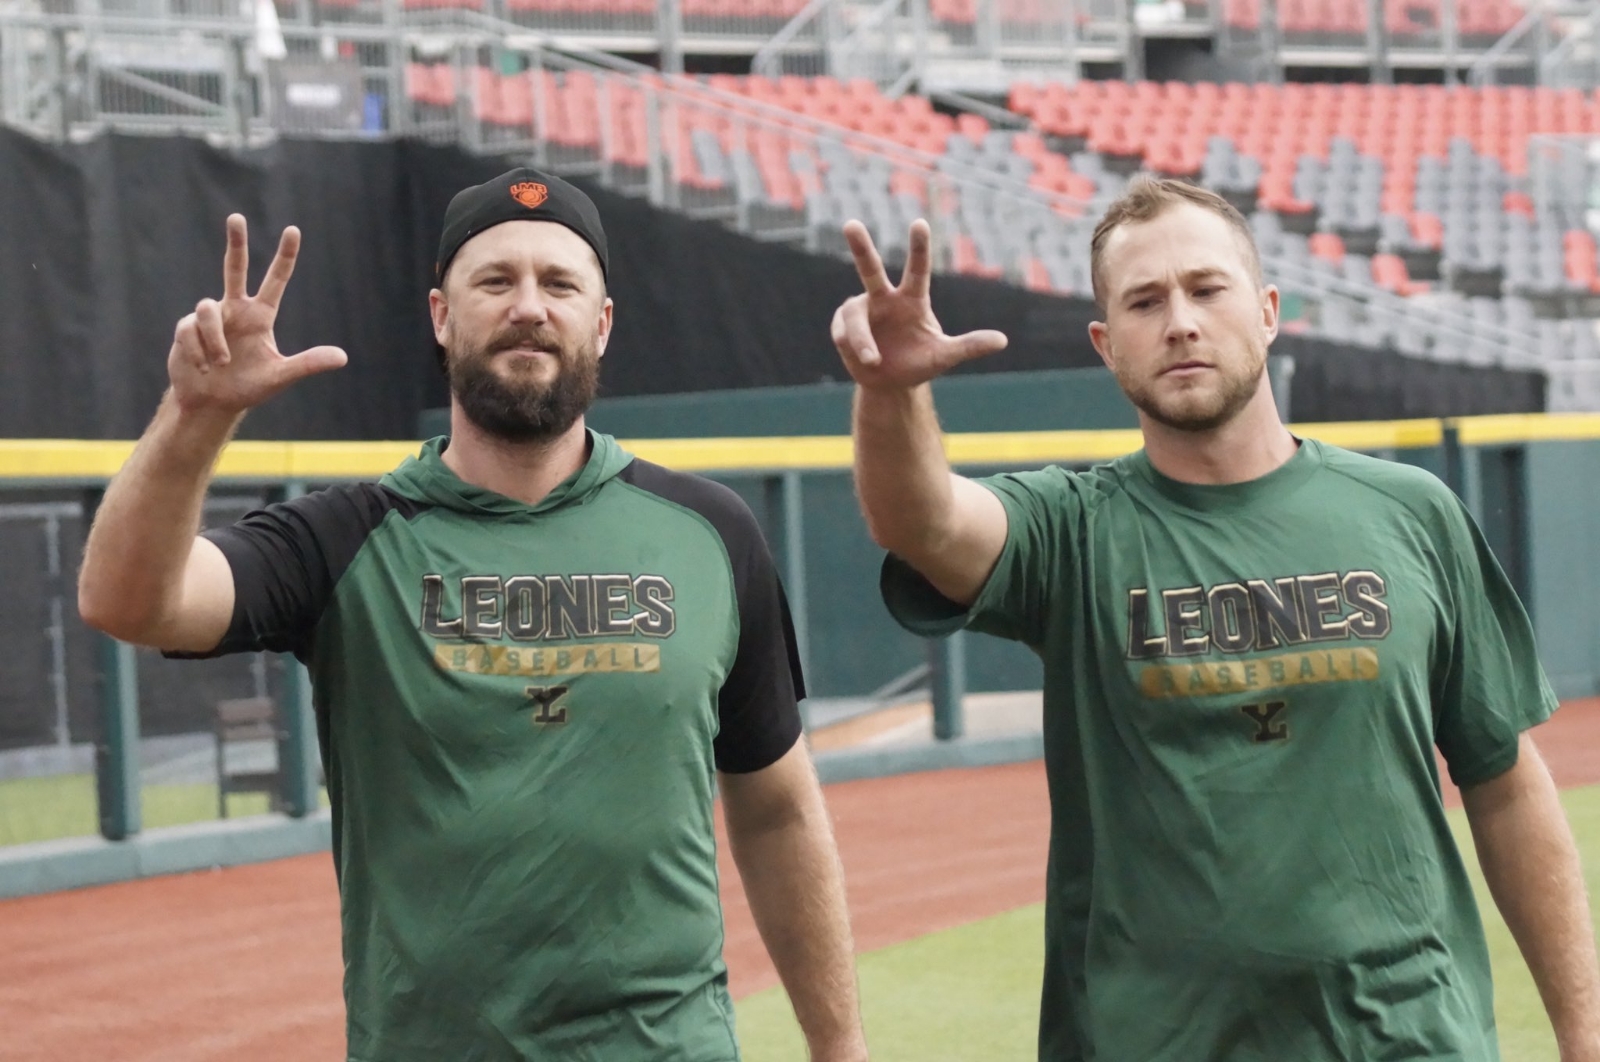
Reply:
x=1148, y=197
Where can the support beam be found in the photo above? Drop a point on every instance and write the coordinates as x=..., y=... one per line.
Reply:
x=117, y=752
x=791, y=505
x=947, y=675
x=298, y=749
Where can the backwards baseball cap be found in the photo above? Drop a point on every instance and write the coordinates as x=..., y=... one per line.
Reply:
x=521, y=195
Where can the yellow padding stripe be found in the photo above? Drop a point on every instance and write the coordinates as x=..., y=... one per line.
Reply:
x=90, y=461
x=1527, y=427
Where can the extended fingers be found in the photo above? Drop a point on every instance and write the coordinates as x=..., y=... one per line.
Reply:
x=918, y=273
x=976, y=344
x=236, y=259
x=869, y=267
x=281, y=269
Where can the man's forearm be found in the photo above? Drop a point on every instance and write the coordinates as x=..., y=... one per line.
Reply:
x=141, y=537
x=795, y=886
x=1533, y=870
x=902, y=475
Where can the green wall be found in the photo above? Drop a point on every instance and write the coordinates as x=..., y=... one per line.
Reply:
x=1563, y=560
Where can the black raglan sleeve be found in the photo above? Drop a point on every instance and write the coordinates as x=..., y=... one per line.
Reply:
x=758, y=707
x=286, y=560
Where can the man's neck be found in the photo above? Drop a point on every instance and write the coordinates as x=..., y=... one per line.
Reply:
x=1247, y=447
x=526, y=472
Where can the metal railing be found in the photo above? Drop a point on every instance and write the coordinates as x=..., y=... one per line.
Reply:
x=969, y=45
x=1574, y=60
x=1521, y=44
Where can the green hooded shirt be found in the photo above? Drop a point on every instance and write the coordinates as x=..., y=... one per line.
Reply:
x=521, y=709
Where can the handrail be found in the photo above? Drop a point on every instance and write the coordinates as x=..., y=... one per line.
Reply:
x=768, y=56
x=995, y=116
x=1482, y=71
x=1549, y=63
x=874, y=19
x=1445, y=322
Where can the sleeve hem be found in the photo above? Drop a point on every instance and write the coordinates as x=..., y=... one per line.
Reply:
x=1494, y=767
x=763, y=759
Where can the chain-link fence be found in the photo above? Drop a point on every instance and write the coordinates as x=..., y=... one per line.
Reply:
x=50, y=692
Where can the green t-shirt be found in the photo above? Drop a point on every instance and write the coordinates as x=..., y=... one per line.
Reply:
x=521, y=709
x=1244, y=686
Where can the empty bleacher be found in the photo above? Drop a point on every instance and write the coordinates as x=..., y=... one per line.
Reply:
x=1405, y=177
x=1406, y=216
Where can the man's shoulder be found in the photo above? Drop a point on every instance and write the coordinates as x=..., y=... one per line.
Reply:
x=716, y=503
x=1057, y=485
x=1389, y=483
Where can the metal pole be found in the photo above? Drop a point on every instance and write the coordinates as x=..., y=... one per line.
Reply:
x=919, y=24
x=1451, y=42
x=57, y=632
x=1450, y=451
x=655, y=173
x=117, y=751
x=242, y=91
x=669, y=13
x=60, y=122
x=541, y=112
x=117, y=754
x=1069, y=30
x=947, y=677
x=1133, y=44
x=794, y=562
x=1378, y=44
x=298, y=749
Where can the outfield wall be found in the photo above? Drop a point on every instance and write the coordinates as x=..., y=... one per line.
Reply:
x=1528, y=479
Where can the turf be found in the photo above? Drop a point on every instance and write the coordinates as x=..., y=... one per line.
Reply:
x=63, y=805
x=966, y=993
x=972, y=992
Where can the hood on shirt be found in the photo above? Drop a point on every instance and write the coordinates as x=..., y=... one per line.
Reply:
x=427, y=478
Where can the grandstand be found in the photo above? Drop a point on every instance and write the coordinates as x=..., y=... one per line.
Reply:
x=1445, y=220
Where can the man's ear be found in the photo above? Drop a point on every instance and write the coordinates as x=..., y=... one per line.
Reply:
x=1100, y=336
x=605, y=326
x=439, y=310
x=1270, y=305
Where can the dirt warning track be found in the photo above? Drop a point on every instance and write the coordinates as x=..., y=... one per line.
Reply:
x=243, y=964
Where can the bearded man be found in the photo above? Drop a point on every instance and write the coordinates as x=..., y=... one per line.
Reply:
x=1253, y=644
x=534, y=658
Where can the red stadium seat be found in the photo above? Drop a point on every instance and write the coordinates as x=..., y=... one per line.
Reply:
x=1327, y=246
x=1428, y=230
x=1035, y=276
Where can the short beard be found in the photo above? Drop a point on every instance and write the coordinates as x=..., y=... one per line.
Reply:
x=524, y=411
x=1236, y=393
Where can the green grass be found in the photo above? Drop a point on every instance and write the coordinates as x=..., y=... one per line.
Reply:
x=63, y=805
x=973, y=992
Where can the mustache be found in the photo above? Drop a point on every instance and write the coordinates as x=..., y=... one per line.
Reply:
x=532, y=338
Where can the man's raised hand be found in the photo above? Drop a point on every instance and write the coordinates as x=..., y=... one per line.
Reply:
x=887, y=335
x=224, y=357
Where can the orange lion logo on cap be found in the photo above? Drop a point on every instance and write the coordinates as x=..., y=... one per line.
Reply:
x=529, y=193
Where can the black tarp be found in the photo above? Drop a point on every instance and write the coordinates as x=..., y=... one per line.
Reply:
x=109, y=243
